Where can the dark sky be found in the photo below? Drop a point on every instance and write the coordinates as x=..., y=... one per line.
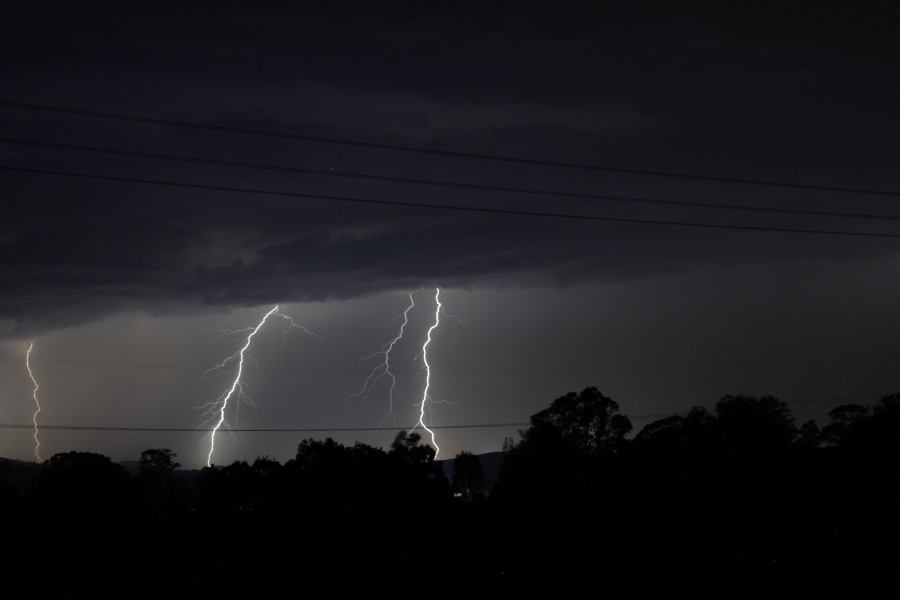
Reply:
x=122, y=285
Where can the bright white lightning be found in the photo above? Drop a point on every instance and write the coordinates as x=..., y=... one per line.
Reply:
x=37, y=404
x=437, y=321
x=384, y=367
x=220, y=405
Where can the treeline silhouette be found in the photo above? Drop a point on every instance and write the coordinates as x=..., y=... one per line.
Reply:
x=734, y=502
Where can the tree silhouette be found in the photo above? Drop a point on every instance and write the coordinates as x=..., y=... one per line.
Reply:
x=407, y=448
x=842, y=418
x=809, y=435
x=159, y=461
x=734, y=497
x=588, y=420
x=468, y=475
x=752, y=426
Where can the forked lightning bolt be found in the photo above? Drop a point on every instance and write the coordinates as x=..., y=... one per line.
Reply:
x=218, y=407
x=437, y=321
x=37, y=404
x=384, y=367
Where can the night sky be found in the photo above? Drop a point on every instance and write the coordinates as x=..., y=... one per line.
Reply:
x=122, y=286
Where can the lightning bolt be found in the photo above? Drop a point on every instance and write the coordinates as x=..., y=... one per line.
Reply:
x=384, y=367
x=218, y=407
x=437, y=321
x=37, y=404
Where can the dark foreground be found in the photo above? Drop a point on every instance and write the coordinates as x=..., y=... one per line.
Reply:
x=733, y=503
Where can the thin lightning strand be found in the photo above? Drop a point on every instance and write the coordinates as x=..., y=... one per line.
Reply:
x=223, y=402
x=37, y=404
x=437, y=321
x=220, y=405
x=384, y=368
x=296, y=325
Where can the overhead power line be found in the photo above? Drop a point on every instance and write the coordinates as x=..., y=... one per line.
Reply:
x=451, y=207
x=451, y=153
x=498, y=425
x=529, y=191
